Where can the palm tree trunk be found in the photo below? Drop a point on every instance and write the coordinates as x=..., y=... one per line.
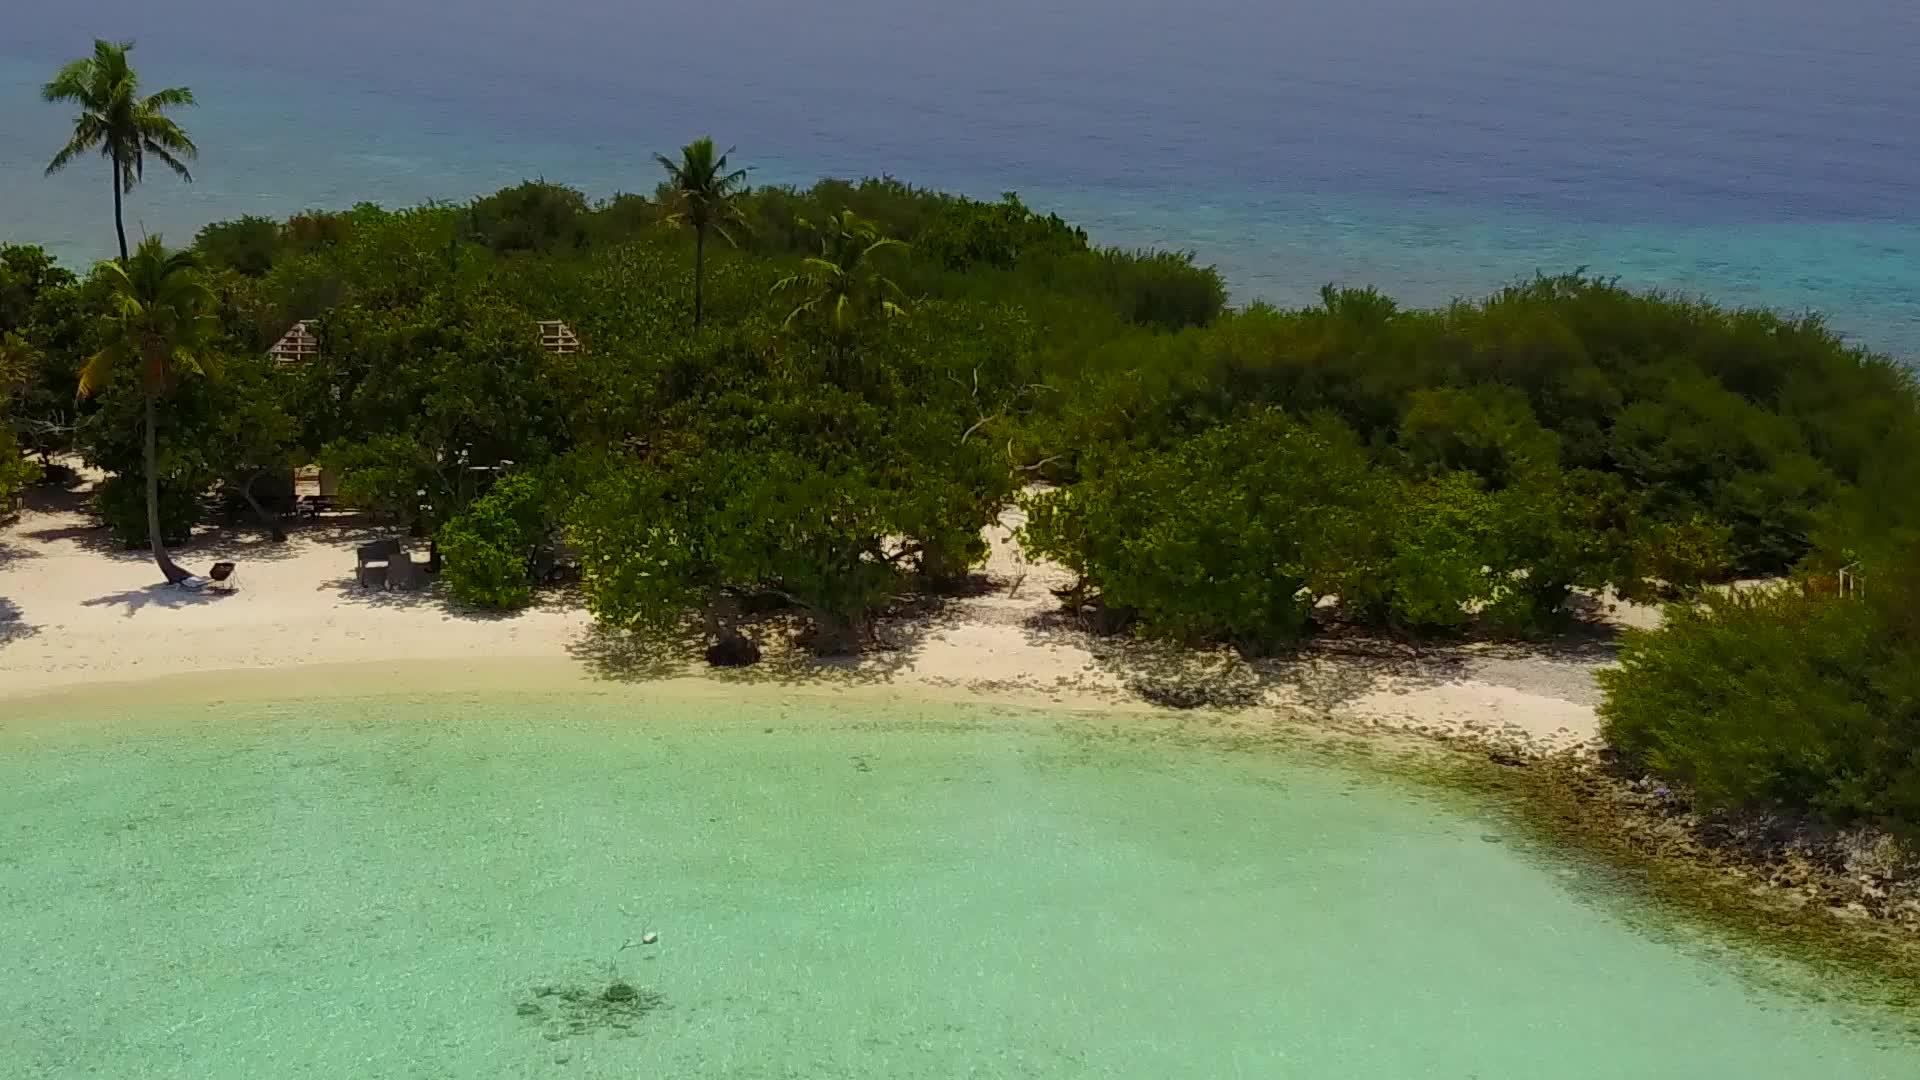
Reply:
x=119, y=220
x=173, y=573
x=699, y=270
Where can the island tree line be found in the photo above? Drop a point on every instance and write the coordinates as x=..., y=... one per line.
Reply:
x=818, y=398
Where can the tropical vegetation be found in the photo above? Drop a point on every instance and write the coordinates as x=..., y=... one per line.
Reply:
x=157, y=324
x=703, y=190
x=1793, y=696
x=822, y=415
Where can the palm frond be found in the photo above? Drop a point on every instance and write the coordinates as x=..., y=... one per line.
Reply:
x=159, y=319
x=70, y=84
x=198, y=362
x=844, y=283
x=79, y=144
x=166, y=133
x=173, y=97
x=807, y=308
x=99, y=368
x=167, y=159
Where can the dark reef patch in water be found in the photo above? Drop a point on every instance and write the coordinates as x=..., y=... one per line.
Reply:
x=567, y=1011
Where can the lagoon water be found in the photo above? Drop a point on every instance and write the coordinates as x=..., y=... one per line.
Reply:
x=1760, y=151
x=435, y=885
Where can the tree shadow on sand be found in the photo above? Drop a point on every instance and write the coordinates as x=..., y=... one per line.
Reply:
x=252, y=543
x=89, y=536
x=899, y=637
x=432, y=594
x=13, y=624
x=161, y=595
x=242, y=543
x=1325, y=673
x=72, y=497
x=12, y=553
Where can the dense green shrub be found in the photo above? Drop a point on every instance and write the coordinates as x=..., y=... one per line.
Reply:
x=1243, y=531
x=247, y=245
x=415, y=401
x=110, y=437
x=1159, y=289
x=533, y=216
x=1234, y=535
x=829, y=472
x=17, y=359
x=1471, y=468
x=1436, y=573
x=1743, y=420
x=121, y=503
x=1002, y=234
x=490, y=549
x=663, y=538
x=16, y=470
x=1791, y=695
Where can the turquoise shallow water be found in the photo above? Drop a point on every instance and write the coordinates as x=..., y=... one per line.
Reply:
x=376, y=888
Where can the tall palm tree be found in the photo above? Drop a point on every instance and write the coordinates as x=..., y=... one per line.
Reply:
x=117, y=121
x=159, y=322
x=704, y=191
x=842, y=286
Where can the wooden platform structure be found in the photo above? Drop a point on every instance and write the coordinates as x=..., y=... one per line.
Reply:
x=558, y=338
x=297, y=346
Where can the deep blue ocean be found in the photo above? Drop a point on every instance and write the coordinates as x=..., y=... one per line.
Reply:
x=1757, y=151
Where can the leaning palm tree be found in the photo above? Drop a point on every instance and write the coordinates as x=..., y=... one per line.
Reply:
x=841, y=285
x=159, y=323
x=703, y=191
x=118, y=122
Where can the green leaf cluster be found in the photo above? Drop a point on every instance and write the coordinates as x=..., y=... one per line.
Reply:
x=831, y=476
x=1258, y=529
x=492, y=547
x=1771, y=428
x=1236, y=534
x=1789, y=694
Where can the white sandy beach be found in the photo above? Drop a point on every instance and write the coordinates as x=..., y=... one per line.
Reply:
x=76, y=611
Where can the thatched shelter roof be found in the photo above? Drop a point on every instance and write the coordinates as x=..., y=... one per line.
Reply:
x=299, y=344
x=296, y=346
x=557, y=337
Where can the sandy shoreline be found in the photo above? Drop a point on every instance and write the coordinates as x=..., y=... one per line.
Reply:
x=87, y=638
x=77, y=613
